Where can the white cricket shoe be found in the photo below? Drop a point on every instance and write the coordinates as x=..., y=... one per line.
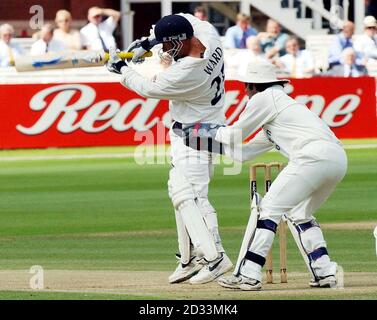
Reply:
x=328, y=282
x=325, y=282
x=240, y=282
x=213, y=270
x=184, y=272
x=314, y=283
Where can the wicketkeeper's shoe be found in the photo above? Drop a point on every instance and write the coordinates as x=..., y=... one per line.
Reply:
x=184, y=272
x=239, y=282
x=213, y=270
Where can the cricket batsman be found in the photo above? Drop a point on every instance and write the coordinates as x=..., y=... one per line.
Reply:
x=317, y=162
x=194, y=84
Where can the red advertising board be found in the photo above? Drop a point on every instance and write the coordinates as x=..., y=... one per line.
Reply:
x=107, y=114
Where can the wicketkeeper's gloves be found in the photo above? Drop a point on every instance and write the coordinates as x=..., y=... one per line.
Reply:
x=202, y=130
x=201, y=136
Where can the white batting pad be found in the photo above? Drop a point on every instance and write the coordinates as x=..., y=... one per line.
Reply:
x=183, y=199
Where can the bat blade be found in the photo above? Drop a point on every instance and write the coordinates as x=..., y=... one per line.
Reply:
x=66, y=60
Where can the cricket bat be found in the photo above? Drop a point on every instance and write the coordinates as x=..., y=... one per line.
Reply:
x=67, y=59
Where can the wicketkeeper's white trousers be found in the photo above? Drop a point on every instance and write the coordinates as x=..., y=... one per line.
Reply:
x=298, y=191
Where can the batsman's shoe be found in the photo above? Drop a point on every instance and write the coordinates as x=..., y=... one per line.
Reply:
x=314, y=283
x=239, y=282
x=184, y=272
x=213, y=270
x=325, y=282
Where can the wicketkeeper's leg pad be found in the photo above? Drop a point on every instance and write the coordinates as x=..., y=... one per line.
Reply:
x=312, y=245
x=255, y=257
x=249, y=233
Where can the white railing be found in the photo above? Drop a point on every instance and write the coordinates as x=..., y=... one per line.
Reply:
x=339, y=12
x=320, y=12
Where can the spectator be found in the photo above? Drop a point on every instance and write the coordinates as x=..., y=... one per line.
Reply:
x=242, y=58
x=273, y=40
x=341, y=41
x=201, y=13
x=235, y=37
x=350, y=67
x=71, y=38
x=366, y=44
x=297, y=63
x=46, y=42
x=8, y=49
x=254, y=49
x=98, y=34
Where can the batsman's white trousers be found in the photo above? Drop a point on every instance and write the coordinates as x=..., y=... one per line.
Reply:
x=197, y=166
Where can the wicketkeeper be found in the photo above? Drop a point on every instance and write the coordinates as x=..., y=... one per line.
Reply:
x=316, y=164
x=194, y=84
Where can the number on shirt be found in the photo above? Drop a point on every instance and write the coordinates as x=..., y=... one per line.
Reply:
x=219, y=87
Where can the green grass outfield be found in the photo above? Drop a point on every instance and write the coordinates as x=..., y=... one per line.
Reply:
x=111, y=214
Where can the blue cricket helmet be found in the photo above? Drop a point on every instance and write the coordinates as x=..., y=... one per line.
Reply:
x=173, y=27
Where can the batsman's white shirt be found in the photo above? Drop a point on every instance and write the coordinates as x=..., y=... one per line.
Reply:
x=194, y=86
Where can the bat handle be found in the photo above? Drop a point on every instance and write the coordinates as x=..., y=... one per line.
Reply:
x=128, y=55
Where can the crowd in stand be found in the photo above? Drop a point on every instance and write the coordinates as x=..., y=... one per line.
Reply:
x=347, y=58
x=97, y=34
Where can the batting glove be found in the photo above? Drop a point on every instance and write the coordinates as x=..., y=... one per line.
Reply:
x=141, y=46
x=138, y=48
x=115, y=63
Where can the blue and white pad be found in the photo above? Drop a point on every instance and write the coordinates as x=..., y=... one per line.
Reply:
x=255, y=257
x=309, y=239
x=249, y=232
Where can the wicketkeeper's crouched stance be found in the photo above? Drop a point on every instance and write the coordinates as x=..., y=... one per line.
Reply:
x=194, y=84
x=317, y=163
